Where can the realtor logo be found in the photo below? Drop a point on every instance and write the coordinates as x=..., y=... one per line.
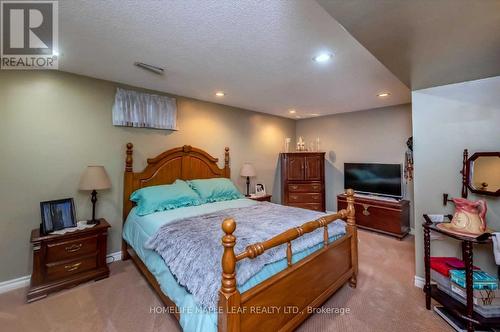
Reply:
x=29, y=35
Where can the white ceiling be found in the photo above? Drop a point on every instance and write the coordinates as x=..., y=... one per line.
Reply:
x=429, y=43
x=259, y=52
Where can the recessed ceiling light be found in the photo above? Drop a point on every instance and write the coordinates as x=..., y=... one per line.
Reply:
x=292, y=111
x=220, y=93
x=323, y=57
x=384, y=94
x=314, y=114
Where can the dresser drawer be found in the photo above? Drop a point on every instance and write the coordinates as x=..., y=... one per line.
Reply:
x=304, y=198
x=71, y=249
x=308, y=206
x=304, y=187
x=63, y=270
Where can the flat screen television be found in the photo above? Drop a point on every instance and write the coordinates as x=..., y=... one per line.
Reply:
x=371, y=178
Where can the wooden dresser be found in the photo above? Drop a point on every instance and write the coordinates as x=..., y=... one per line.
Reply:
x=303, y=180
x=383, y=216
x=64, y=261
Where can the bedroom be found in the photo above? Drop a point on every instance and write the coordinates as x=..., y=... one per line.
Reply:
x=56, y=123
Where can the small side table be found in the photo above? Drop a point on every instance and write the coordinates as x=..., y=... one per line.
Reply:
x=463, y=312
x=67, y=260
x=264, y=198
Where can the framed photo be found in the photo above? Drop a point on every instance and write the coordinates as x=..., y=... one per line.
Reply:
x=260, y=189
x=57, y=215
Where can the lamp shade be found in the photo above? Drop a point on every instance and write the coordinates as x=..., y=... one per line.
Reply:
x=95, y=178
x=247, y=170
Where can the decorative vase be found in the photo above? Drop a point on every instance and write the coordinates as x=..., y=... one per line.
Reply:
x=287, y=144
x=301, y=145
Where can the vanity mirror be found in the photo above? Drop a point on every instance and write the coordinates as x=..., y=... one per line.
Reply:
x=481, y=173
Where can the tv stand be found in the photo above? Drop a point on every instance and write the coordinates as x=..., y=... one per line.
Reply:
x=381, y=198
x=387, y=216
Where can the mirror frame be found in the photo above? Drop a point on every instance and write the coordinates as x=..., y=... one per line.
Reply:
x=467, y=169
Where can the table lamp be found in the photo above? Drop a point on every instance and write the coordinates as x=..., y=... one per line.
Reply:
x=94, y=178
x=247, y=170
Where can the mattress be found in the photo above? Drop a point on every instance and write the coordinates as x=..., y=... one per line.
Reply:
x=192, y=319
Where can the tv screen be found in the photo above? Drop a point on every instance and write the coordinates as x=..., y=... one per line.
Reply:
x=380, y=179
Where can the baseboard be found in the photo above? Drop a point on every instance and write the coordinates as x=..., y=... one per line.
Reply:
x=419, y=282
x=114, y=257
x=8, y=285
x=412, y=231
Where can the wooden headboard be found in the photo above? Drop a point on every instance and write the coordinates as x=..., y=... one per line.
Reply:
x=185, y=163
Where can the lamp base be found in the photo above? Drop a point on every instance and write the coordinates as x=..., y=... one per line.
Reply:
x=248, y=187
x=93, y=199
x=92, y=222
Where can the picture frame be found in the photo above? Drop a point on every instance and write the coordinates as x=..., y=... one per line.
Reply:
x=58, y=214
x=260, y=189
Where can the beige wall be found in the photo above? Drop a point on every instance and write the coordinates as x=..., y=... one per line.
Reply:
x=54, y=124
x=377, y=135
x=447, y=120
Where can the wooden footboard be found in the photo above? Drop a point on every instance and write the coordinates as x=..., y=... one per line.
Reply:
x=285, y=300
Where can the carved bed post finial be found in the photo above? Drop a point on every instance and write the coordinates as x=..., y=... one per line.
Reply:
x=228, y=258
x=229, y=296
x=226, y=162
x=352, y=229
x=127, y=191
x=226, y=157
x=129, y=160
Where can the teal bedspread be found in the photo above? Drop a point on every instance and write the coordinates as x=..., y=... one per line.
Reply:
x=192, y=319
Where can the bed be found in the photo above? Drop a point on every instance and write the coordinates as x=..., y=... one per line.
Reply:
x=263, y=302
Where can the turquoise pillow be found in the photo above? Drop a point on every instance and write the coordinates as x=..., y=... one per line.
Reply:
x=215, y=190
x=164, y=197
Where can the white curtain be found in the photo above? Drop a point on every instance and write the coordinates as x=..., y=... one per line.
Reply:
x=137, y=109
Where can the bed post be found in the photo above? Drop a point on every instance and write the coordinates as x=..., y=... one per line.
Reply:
x=352, y=229
x=229, y=296
x=227, y=170
x=127, y=184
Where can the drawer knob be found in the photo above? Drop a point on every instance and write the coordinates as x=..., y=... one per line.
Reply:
x=315, y=197
x=72, y=267
x=294, y=187
x=294, y=197
x=365, y=209
x=315, y=187
x=74, y=247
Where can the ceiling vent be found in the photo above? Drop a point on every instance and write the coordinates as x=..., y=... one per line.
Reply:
x=151, y=68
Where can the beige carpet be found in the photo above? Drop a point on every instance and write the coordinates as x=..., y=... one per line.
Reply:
x=385, y=300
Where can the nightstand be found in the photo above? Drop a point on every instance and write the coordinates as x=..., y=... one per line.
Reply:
x=265, y=198
x=67, y=260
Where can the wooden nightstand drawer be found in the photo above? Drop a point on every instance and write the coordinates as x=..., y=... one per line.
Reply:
x=62, y=270
x=70, y=249
x=61, y=261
